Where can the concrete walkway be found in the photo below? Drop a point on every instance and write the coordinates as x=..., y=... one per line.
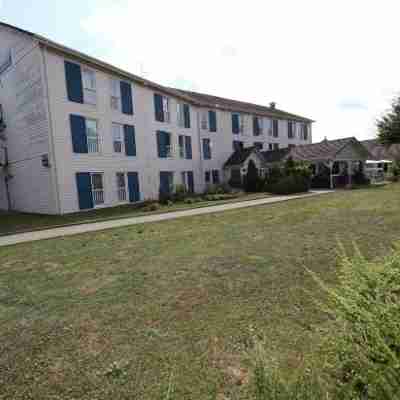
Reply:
x=99, y=226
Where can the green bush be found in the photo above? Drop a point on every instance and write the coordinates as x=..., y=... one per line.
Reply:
x=365, y=343
x=360, y=357
x=180, y=192
x=288, y=185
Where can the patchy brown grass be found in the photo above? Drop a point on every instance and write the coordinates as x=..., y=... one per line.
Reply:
x=139, y=311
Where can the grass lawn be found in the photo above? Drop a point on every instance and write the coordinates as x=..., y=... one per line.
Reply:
x=14, y=222
x=174, y=304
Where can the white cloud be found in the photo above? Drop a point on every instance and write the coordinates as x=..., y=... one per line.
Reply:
x=306, y=55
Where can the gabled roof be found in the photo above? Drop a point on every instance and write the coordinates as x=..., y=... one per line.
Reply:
x=241, y=106
x=198, y=99
x=382, y=152
x=238, y=157
x=325, y=150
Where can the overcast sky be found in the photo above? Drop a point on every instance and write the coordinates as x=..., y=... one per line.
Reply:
x=336, y=61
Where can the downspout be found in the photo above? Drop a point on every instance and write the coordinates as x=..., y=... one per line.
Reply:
x=7, y=178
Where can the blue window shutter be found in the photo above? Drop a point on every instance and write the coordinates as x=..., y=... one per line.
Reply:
x=73, y=77
x=215, y=175
x=84, y=186
x=186, y=115
x=212, y=121
x=165, y=180
x=207, y=176
x=162, y=142
x=190, y=179
x=133, y=187
x=158, y=107
x=206, y=149
x=126, y=98
x=235, y=123
x=78, y=133
x=130, y=141
x=188, y=147
x=256, y=130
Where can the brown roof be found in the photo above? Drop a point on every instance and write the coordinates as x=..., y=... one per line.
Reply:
x=382, y=152
x=277, y=155
x=239, y=156
x=198, y=99
x=325, y=150
x=241, y=106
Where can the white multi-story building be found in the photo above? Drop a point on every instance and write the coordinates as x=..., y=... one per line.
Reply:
x=77, y=133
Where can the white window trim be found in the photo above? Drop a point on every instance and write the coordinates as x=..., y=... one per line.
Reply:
x=99, y=144
x=115, y=96
x=92, y=90
x=94, y=191
x=121, y=131
x=122, y=188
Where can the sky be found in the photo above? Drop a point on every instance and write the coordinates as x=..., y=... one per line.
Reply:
x=335, y=61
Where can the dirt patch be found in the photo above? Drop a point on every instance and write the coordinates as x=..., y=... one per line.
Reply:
x=91, y=341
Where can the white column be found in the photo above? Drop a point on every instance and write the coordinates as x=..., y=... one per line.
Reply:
x=349, y=170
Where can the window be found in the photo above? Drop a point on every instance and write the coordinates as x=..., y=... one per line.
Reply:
x=207, y=176
x=180, y=116
x=165, y=102
x=291, y=129
x=237, y=145
x=115, y=94
x=89, y=86
x=118, y=142
x=183, y=115
x=92, y=136
x=181, y=140
x=270, y=146
x=304, y=133
x=276, y=146
x=257, y=126
x=121, y=186
x=275, y=128
x=97, y=188
x=215, y=176
x=207, y=149
x=6, y=62
x=164, y=144
x=258, y=145
x=204, y=120
x=237, y=123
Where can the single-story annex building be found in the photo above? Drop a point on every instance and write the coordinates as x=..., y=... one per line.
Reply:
x=342, y=158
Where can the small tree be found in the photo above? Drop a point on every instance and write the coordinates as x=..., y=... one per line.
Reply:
x=389, y=125
x=252, y=178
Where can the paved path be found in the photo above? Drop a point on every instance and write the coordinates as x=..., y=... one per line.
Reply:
x=99, y=226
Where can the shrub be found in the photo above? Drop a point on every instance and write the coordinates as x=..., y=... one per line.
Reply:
x=251, y=181
x=274, y=175
x=151, y=207
x=164, y=197
x=218, y=189
x=395, y=169
x=365, y=343
x=289, y=185
x=180, y=192
x=321, y=181
x=359, y=178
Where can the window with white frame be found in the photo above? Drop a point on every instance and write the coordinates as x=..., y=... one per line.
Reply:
x=92, y=135
x=118, y=137
x=97, y=188
x=242, y=123
x=121, y=186
x=165, y=102
x=89, y=86
x=180, y=115
x=115, y=94
x=204, y=120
